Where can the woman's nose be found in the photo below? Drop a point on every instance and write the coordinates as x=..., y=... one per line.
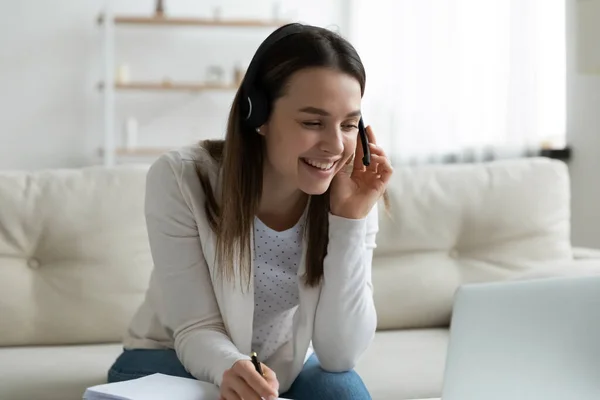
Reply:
x=333, y=141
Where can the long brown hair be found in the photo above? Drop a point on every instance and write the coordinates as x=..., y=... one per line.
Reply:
x=231, y=212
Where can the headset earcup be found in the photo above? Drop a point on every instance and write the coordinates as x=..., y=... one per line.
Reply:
x=255, y=107
x=260, y=109
x=245, y=108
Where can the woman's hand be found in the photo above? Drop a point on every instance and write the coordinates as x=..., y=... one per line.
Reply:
x=242, y=382
x=354, y=192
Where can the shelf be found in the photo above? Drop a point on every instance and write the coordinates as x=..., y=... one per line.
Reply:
x=171, y=86
x=180, y=21
x=139, y=151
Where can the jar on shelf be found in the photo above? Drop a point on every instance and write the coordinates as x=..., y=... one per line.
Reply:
x=214, y=74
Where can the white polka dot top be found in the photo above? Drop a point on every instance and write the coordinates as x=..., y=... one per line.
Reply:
x=276, y=259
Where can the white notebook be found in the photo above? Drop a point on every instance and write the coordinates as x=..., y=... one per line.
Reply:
x=154, y=387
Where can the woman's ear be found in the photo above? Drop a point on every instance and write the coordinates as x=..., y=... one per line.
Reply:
x=262, y=130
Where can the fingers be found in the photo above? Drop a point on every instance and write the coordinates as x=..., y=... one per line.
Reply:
x=370, y=135
x=380, y=169
x=256, y=382
x=384, y=168
x=234, y=386
x=376, y=149
x=242, y=382
x=271, y=377
x=229, y=394
x=243, y=390
x=377, y=156
x=379, y=160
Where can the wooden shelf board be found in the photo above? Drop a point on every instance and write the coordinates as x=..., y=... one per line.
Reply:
x=171, y=87
x=183, y=21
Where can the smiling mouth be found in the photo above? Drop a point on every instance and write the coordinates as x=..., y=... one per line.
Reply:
x=319, y=165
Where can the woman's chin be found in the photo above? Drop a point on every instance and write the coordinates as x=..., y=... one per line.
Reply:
x=315, y=189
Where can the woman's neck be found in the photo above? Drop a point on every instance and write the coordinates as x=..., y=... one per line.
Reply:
x=280, y=206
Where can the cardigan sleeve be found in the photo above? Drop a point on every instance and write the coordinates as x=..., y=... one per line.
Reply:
x=189, y=308
x=346, y=319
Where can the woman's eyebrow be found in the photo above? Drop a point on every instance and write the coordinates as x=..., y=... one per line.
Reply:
x=324, y=113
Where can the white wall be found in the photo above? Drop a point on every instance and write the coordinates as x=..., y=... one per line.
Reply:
x=51, y=60
x=583, y=130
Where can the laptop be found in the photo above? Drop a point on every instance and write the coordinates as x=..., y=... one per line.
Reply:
x=525, y=340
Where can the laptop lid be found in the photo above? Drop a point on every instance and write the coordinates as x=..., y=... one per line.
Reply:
x=525, y=340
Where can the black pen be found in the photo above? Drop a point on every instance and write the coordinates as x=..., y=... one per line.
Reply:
x=257, y=364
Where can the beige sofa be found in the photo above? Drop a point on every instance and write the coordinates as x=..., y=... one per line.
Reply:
x=75, y=262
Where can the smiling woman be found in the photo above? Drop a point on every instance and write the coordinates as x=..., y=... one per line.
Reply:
x=311, y=134
x=263, y=242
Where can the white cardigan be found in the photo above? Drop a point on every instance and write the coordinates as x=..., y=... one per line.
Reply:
x=207, y=320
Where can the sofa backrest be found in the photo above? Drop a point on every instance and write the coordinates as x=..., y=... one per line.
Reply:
x=454, y=224
x=74, y=254
x=75, y=260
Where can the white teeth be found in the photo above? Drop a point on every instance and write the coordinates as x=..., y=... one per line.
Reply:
x=319, y=165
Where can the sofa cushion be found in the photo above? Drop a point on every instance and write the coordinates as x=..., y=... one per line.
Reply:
x=74, y=255
x=406, y=364
x=454, y=224
x=55, y=372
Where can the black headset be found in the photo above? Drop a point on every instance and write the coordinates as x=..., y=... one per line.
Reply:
x=255, y=106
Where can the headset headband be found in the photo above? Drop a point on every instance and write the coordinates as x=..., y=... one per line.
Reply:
x=274, y=37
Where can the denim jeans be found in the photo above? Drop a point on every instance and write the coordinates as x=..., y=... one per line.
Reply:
x=313, y=383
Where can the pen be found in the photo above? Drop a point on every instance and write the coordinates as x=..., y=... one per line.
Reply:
x=256, y=364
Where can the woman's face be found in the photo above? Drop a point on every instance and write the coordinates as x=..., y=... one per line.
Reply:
x=312, y=130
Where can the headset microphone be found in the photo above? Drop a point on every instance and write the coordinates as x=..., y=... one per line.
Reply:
x=365, y=143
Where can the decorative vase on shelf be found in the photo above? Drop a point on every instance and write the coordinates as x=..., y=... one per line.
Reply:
x=160, y=8
x=122, y=75
x=238, y=74
x=217, y=13
x=214, y=75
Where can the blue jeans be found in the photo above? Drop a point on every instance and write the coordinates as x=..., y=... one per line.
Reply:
x=313, y=383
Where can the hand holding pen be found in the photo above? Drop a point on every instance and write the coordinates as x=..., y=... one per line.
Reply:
x=249, y=380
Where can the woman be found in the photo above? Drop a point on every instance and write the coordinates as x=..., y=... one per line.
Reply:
x=263, y=243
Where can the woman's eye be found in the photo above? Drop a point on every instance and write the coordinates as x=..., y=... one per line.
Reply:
x=311, y=124
x=350, y=127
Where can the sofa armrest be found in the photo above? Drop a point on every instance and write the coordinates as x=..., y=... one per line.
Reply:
x=584, y=253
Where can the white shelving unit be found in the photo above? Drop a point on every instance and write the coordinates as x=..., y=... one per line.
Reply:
x=109, y=22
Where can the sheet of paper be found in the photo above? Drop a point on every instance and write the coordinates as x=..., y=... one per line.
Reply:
x=155, y=387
